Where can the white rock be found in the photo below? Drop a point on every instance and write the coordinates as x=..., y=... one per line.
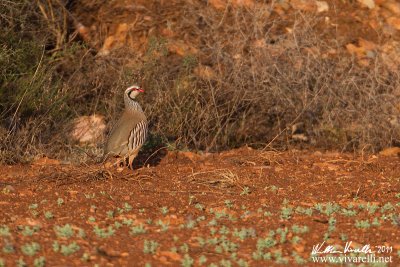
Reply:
x=88, y=129
x=369, y=3
x=322, y=6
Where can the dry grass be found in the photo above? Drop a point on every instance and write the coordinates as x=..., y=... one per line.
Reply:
x=222, y=178
x=264, y=85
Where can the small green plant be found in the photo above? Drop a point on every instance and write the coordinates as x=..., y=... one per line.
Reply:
x=4, y=230
x=39, y=262
x=245, y=214
x=326, y=236
x=245, y=191
x=224, y=230
x=331, y=223
x=8, y=248
x=30, y=249
x=67, y=250
x=127, y=207
x=213, y=222
x=150, y=247
x=201, y=218
x=164, y=210
x=343, y=237
x=201, y=241
x=21, y=263
x=190, y=224
x=104, y=233
x=64, y=231
x=127, y=222
x=348, y=212
x=371, y=208
x=56, y=246
x=199, y=206
x=85, y=257
x=327, y=208
x=110, y=214
x=202, y=260
x=6, y=191
x=35, y=213
x=228, y=203
x=265, y=243
x=295, y=240
x=191, y=199
x=299, y=229
x=273, y=188
x=90, y=196
x=220, y=214
x=225, y=263
x=306, y=211
x=278, y=257
x=60, y=201
x=164, y=226
x=387, y=207
x=33, y=206
x=29, y=231
x=375, y=222
x=244, y=233
x=81, y=233
x=117, y=225
x=283, y=232
x=362, y=224
x=267, y=214
x=286, y=213
x=242, y=263
x=184, y=248
x=299, y=260
x=48, y=215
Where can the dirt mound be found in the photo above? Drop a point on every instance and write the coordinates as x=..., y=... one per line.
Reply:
x=363, y=28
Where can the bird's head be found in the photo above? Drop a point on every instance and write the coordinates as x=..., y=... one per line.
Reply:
x=132, y=91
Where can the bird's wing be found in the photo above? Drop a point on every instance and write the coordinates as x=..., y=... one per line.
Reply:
x=138, y=135
x=117, y=143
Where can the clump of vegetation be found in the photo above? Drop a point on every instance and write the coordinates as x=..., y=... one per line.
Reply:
x=30, y=249
x=265, y=86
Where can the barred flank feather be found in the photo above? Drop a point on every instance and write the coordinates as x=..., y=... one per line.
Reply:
x=138, y=135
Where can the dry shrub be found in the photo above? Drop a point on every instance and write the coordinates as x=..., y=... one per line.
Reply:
x=265, y=83
x=46, y=81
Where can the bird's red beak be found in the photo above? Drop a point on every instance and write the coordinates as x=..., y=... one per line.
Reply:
x=135, y=88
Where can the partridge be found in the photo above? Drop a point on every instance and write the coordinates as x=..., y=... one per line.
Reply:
x=130, y=132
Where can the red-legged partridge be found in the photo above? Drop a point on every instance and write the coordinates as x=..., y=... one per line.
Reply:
x=130, y=132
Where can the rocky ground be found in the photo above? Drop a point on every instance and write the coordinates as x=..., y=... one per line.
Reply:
x=242, y=207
